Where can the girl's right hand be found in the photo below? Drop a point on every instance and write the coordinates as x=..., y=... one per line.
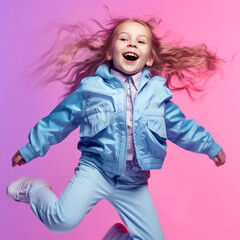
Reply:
x=17, y=159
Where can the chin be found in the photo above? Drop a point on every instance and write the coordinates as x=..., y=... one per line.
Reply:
x=125, y=70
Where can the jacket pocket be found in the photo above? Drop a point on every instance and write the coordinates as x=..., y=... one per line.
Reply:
x=156, y=124
x=153, y=135
x=94, y=122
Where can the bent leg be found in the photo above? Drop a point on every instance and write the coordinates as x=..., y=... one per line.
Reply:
x=84, y=190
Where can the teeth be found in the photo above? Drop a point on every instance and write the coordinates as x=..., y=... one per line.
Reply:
x=131, y=54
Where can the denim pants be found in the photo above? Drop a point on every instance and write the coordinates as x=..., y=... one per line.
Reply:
x=128, y=194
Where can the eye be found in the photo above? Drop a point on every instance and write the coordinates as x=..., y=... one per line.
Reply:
x=123, y=39
x=141, y=42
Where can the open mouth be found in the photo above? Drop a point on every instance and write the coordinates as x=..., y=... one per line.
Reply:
x=130, y=56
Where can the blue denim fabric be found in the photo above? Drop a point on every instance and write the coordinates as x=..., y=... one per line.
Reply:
x=132, y=174
x=127, y=193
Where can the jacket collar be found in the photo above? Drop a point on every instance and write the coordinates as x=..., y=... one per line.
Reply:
x=104, y=72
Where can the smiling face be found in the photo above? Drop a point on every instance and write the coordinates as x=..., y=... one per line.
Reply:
x=131, y=48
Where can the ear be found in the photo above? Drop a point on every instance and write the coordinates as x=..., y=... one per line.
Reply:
x=109, y=56
x=150, y=61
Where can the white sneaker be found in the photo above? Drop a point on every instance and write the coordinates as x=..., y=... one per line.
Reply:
x=115, y=232
x=17, y=188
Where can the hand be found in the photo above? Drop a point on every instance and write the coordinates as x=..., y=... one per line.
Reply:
x=17, y=159
x=220, y=159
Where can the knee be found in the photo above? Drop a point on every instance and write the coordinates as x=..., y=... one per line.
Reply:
x=62, y=225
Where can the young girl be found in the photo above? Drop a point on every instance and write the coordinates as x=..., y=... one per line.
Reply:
x=125, y=114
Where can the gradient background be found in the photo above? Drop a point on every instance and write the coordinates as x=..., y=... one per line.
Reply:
x=195, y=200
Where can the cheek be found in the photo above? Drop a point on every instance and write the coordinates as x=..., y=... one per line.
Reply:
x=117, y=55
x=146, y=55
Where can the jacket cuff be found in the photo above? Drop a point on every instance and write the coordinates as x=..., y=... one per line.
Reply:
x=27, y=152
x=214, y=150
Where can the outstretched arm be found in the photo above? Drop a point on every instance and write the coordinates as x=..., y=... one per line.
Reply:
x=189, y=135
x=53, y=128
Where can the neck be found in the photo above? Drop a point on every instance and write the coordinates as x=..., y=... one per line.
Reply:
x=126, y=74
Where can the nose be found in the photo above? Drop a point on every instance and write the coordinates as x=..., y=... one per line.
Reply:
x=132, y=45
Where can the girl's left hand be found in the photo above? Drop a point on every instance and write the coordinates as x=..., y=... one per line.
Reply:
x=220, y=159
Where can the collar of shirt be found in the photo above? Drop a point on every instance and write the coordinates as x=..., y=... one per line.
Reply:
x=124, y=77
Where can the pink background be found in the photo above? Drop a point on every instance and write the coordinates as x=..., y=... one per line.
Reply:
x=195, y=200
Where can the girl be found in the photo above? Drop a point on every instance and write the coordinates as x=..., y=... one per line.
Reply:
x=125, y=114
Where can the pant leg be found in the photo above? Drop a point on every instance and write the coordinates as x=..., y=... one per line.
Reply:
x=136, y=209
x=84, y=190
x=132, y=200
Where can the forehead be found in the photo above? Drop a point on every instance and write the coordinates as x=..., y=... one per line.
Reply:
x=133, y=27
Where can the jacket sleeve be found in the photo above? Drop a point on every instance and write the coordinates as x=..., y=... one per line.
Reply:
x=187, y=133
x=55, y=127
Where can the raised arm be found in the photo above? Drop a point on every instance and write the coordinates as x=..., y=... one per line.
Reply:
x=191, y=136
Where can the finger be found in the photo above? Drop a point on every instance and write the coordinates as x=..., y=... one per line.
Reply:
x=22, y=162
x=15, y=155
x=216, y=161
x=222, y=157
x=222, y=161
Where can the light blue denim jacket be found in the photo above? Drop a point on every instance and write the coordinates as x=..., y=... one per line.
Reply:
x=98, y=106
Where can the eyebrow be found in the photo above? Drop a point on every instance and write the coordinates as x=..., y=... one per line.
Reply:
x=141, y=35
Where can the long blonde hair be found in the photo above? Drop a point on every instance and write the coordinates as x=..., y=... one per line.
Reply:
x=79, y=54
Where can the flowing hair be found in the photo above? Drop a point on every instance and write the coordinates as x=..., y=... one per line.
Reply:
x=78, y=51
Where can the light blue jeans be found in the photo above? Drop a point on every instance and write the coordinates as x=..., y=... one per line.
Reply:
x=128, y=193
